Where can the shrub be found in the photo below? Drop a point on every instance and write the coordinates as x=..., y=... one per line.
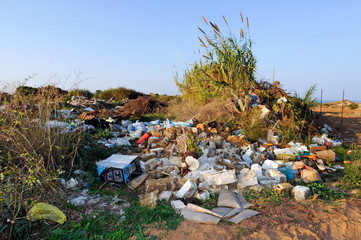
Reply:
x=117, y=94
x=80, y=92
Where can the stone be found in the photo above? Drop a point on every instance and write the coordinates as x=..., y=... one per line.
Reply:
x=326, y=155
x=176, y=161
x=256, y=188
x=151, y=164
x=203, y=196
x=298, y=165
x=268, y=164
x=268, y=183
x=301, y=193
x=187, y=190
x=166, y=195
x=282, y=188
x=220, y=177
x=156, y=184
x=309, y=175
x=246, y=179
x=193, y=164
x=277, y=175
x=178, y=205
x=257, y=169
x=149, y=199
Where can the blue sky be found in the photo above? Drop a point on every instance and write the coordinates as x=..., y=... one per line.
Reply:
x=142, y=44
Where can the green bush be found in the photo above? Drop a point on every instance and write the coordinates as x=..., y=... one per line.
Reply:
x=229, y=67
x=80, y=92
x=117, y=94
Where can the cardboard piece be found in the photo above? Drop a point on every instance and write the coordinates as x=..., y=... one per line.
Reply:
x=191, y=215
x=243, y=215
x=317, y=148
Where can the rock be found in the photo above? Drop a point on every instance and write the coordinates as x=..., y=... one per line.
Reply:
x=268, y=164
x=178, y=205
x=309, y=175
x=187, y=190
x=283, y=188
x=219, y=177
x=298, y=165
x=203, y=196
x=327, y=155
x=256, y=188
x=149, y=199
x=268, y=183
x=277, y=175
x=157, y=184
x=166, y=195
x=301, y=193
x=151, y=164
x=257, y=169
x=176, y=161
x=193, y=164
x=246, y=179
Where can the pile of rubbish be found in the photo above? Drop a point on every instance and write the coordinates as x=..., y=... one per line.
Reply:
x=81, y=101
x=219, y=161
x=181, y=161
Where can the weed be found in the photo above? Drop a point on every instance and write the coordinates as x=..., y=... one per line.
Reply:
x=211, y=202
x=324, y=192
x=117, y=94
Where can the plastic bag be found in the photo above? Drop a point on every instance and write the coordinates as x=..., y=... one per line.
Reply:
x=46, y=211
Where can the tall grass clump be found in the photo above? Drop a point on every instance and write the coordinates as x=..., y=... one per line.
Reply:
x=228, y=66
x=32, y=157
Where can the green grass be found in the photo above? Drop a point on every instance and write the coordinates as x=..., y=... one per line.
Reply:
x=324, y=192
x=107, y=226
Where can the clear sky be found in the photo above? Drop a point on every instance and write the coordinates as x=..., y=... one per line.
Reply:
x=142, y=44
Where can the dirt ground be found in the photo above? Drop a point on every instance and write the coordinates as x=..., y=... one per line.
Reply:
x=350, y=130
x=291, y=220
x=311, y=219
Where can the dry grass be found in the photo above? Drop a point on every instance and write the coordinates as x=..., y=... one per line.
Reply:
x=32, y=156
x=220, y=110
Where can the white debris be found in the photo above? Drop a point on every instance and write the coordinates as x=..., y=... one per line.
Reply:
x=178, y=205
x=220, y=177
x=187, y=190
x=193, y=164
x=301, y=193
x=247, y=178
x=268, y=164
